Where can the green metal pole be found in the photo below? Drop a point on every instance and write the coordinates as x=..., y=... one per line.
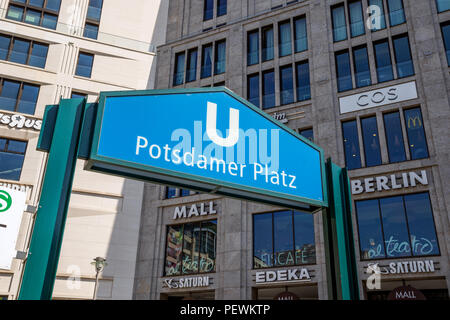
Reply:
x=340, y=251
x=42, y=262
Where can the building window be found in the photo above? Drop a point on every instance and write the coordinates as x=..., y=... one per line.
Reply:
x=356, y=18
x=253, y=89
x=396, y=12
x=344, y=73
x=268, y=89
x=307, y=133
x=284, y=238
x=267, y=43
x=443, y=5
x=208, y=10
x=403, y=58
x=42, y=13
x=191, y=70
x=12, y=154
x=178, y=76
x=362, y=69
x=93, y=19
x=383, y=61
x=351, y=145
x=300, y=34
x=416, y=134
x=171, y=192
x=286, y=85
x=381, y=19
x=400, y=226
x=371, y=141
x=284, y=38
x=220, y=57
x=303, y=81
x=253, y=47
x=339, y=24
x=446, y=36
x=191, y=248
x=394, y=137
x=23, y=51
x=76, y=95
x=84, y=65
x=221, y=7
x=206, y=69
x=18, y=96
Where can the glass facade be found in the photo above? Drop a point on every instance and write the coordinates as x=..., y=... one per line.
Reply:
x=378, y=21
x=400, y=226
x=396, y=12
x=191, y=248
x=253, y=89
x=301, y=37
x=394, y=137
x=351, y=145
x=362, y=69
x=416, y=134
x=383, y=61
x=12, y=154
x=343, y=71
x=284, y=38
x=268, y=97
x=446, y=36
x=356, y=18
x=303, y=81
x=23, y=51
x=283, y=238
x=36, y=12
x=267, y=44
x=221, y=7
x=339, y=24
x=286, y=85
x=18, y=96
x=191, y=70
x=206, y=68
x=253, y=47
x=208, y=10
x=371, y=141
x=443, y=5
x=178, y=76
x=403, y=59
x=84, y=65
x=220, y=57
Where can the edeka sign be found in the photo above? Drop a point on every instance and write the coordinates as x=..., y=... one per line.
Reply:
x=12, y=205
x=209, y=140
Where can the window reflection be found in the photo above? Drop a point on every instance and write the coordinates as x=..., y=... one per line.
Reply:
x=400, y=226
x=191, y=248
x=394, y=137
x=351, y=145
x=283, y=238
x=371, y=141
x=416, y=134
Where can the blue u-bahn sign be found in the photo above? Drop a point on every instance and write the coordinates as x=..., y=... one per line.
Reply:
x=210, y=140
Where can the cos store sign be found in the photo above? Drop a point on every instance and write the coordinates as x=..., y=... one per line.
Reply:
x=379, y=97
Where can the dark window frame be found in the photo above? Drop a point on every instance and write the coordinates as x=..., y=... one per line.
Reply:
x=8, y=139
x=30, y=49
x=182, y=225
x=273, y=239
x=93, y=22
x=27, y=6
x=407, y=226
x=19, y=94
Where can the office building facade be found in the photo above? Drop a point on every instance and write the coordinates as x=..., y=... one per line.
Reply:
x=368, y=81
x=53, y=49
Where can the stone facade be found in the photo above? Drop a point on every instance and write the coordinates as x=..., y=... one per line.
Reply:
x=235, y=277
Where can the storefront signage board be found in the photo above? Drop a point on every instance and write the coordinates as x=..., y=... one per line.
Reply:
x=209, y=140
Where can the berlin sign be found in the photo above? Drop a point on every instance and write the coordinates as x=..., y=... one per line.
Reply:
x=209, y=140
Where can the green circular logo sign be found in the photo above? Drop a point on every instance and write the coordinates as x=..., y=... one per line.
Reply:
x=5, y=201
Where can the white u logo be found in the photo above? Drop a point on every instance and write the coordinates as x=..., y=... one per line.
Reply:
x=211, y=126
